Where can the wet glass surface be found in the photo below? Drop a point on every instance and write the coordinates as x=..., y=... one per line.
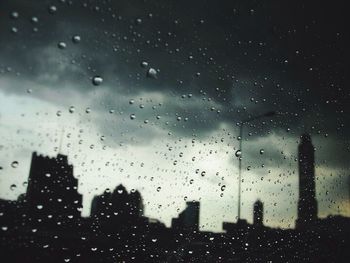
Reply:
x=174, y=131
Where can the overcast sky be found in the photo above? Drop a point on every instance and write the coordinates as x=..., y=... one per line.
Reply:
x=177, y=77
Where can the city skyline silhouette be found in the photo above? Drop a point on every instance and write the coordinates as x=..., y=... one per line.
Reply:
x=303, y=191
x=53, y=204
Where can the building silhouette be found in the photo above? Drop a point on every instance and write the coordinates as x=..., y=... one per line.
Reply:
x=258, y=213
x=45, y=225
x=52, y=196
x=188, y=219
x=307, y=204
x=113, y=210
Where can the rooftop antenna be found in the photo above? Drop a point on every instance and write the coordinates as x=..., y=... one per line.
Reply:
x=61, y=141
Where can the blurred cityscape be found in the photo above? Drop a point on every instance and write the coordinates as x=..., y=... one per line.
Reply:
x=45, y=225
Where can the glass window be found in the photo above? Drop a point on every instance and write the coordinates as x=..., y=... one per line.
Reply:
x=174, y=131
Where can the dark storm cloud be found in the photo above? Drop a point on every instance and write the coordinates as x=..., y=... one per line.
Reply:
x=252, y=57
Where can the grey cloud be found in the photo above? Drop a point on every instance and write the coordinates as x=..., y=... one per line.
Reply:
x=239, y=54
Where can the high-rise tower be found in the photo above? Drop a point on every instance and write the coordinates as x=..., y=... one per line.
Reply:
x=307, y=204
x=258, y=213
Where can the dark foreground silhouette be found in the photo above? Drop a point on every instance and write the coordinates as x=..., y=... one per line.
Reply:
x=45, y=225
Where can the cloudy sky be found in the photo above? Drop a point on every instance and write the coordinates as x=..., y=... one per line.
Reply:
x=177, y=77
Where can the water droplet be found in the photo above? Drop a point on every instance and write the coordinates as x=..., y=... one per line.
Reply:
x=13, y=187
x=144, y=64
x=262, y=151
x=14, y=15
x=238, y=153
x=203, y=173
x=88, y=110
x=59, y=113
x=102, y=138
x=131, y=101
x=97, y=80
x=76, y=39
x=39, y=207
x=14, y=164
x=158, y=188
x=152, y=73
x=34, y=20
x=132, y=116
x=52, y=9
x=71, y=109
x=223, y=188
x=62, y=45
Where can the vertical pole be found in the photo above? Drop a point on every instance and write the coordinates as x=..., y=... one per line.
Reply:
x=240, y=170
x=61, y=141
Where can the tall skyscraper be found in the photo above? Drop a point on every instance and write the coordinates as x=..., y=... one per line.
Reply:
x=258, y=213
x=307, y=204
